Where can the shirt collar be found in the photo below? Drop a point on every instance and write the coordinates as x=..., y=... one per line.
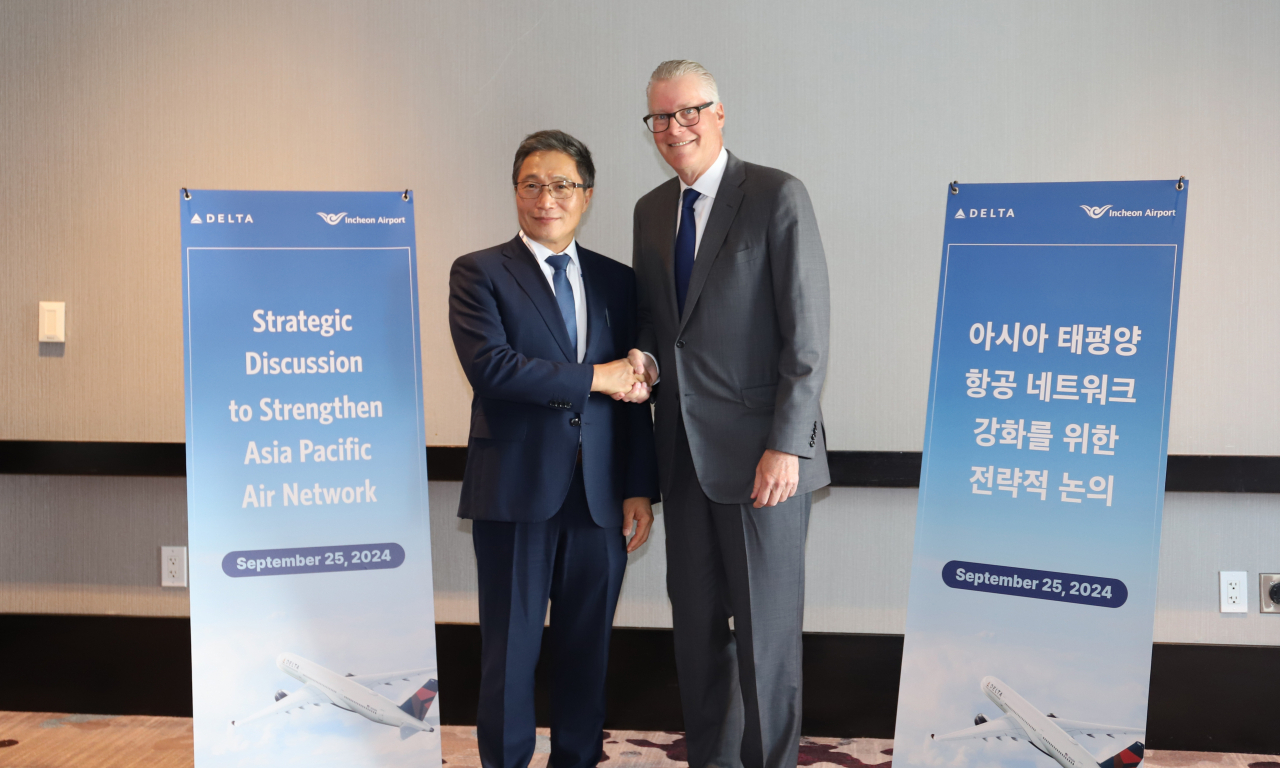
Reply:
x=541, y=252
x=709, y=183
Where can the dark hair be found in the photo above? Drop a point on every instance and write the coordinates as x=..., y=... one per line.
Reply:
x=556, y=141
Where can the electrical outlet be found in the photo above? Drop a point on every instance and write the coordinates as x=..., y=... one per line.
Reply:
x=1269, y=592
x=173, y=566
x=1233, y=591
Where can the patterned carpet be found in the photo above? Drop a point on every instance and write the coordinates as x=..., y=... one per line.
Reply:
x=43, y=740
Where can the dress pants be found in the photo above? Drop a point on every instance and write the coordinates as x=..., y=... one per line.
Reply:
x=741, y=688
x=578, y=566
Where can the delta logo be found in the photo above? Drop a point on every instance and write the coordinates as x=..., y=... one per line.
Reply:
x=222, y=218
x=333, y=219
x=986, y=213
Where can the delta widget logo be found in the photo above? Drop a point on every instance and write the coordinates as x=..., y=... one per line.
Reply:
x=222, y=218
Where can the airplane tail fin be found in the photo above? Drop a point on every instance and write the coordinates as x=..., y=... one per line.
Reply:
x=1128, y=757
x=416, y=705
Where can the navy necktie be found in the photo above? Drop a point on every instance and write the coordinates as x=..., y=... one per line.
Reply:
x=686, y=238
x=564, y=297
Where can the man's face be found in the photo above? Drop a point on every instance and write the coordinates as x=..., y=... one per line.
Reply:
x=545, y=219
x=690, y=150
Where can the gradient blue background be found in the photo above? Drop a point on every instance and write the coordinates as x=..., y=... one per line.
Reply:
x=1050, y=263
x=363, y=621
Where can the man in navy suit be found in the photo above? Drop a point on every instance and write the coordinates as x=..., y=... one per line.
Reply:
x=558, y=473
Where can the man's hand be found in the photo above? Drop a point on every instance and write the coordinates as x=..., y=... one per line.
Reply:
x=644, y=367
x=638, y=514
x=614, y=379
x=777, y=476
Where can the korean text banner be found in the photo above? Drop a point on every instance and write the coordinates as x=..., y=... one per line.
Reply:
x=312, y=617
x=1033, y=581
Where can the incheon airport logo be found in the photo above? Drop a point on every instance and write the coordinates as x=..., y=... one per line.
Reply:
x=1109, y=211
x=342, y=218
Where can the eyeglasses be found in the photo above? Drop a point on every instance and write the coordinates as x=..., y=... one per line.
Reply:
x=688, y=116
x=560, y=190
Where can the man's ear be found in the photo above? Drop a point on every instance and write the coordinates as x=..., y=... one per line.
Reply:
x=586, y=194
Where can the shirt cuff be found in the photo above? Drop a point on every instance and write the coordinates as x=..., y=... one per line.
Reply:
x=655, y=367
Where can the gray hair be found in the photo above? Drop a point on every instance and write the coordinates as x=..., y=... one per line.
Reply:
x=556, y=141
x=670, y=70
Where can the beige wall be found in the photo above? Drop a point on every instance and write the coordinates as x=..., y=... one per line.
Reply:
x=91, y=546
x=107, y=108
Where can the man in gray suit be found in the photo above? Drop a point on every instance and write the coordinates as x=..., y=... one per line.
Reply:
x=734, y=315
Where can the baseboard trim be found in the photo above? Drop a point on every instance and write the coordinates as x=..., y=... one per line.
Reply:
x=1204, y=698
x=849, y=469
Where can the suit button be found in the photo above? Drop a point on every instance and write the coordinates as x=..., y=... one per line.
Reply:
x=575, y=422
x=680, y=344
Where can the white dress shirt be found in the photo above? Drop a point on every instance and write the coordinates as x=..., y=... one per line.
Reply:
x=708, y=184
x=574, y=273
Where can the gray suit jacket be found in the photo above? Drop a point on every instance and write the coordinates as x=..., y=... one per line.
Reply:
x=746, y=363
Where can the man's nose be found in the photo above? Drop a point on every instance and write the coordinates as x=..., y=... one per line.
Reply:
x=545, y=200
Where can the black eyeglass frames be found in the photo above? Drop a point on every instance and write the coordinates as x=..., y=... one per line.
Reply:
x=659, y=122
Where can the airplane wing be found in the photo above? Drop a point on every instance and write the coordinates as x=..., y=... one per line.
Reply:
x=304, y=696
x=1097, y=731
x=1000, y=728
x=392, y=684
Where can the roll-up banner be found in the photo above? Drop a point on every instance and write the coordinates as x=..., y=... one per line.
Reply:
x=312, y=618
x=1033, y=581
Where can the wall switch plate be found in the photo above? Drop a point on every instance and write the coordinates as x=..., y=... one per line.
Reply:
x=53, y=321
x=1233, y=591
x=1267, y=582
x=173, y=566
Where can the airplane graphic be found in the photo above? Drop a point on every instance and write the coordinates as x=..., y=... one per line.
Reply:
x=362, y=694
x=1050, y=734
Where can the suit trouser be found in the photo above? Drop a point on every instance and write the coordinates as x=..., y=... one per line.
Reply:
x=578, y=566
x=740, y=689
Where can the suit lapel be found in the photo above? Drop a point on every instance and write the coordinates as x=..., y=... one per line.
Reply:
x=597, y=317
x=524, y=268
x=728, y=200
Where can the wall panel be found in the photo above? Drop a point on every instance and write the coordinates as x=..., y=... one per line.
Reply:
x=90, y=545
x=107, y=108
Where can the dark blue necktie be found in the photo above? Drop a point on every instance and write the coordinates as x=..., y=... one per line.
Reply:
x=564, y=297
x=686, y=237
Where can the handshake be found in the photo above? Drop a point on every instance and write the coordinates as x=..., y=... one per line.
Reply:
x=628, y=379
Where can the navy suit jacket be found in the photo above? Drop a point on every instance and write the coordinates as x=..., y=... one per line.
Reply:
x=532, y=398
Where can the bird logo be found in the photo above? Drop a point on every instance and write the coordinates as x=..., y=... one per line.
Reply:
x=334, y=218
x=1094, y=212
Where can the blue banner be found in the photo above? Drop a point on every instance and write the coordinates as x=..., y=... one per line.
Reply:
x=312, y=616
x=1033, y=581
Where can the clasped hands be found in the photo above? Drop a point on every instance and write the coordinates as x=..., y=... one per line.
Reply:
x=629, y=379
